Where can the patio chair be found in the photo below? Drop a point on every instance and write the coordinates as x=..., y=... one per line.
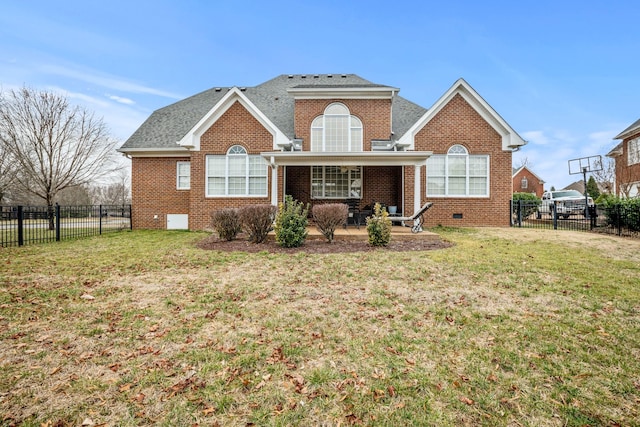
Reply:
x=416, y=218
x=354, y=212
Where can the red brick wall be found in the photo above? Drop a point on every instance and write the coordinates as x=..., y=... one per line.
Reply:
x=153, y=191
x=533, y=184
x=626, y=174
x=459, y=123
x=235, y=127
x=375, y=115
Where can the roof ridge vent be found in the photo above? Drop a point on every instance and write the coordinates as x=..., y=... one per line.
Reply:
x=290, y=76
x=242, y=89
x=329, y=75
x=315, y=76
x=303, y=76
x=344, y=76
x=218, y=89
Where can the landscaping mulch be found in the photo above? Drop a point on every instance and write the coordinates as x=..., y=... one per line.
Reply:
x=318, y=246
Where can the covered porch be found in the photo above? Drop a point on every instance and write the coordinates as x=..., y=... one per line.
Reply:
x=392, y=178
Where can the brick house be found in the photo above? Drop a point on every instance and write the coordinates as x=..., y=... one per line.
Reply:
x=322, y=138
x=627, y=161
x=525, y=181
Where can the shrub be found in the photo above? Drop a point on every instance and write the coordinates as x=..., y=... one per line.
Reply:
x=529, y=205
x=291, y=223
x=257, y=221
x=379, y=227
x=328, y=217
x=226, y=223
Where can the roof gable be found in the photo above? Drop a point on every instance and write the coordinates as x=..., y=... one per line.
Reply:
x=510, y=138
x=191, y=140
x=521, y=168
x=634, y=128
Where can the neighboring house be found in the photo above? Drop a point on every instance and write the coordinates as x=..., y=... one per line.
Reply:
x=525, y=181
x=322, y=138
x=627, y=157
x=603, y=187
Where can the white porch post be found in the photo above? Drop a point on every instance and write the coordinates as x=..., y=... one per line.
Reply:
x=274, y=183
x=417, y=190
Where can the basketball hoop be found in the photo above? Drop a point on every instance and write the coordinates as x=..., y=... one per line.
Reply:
x=584, y=165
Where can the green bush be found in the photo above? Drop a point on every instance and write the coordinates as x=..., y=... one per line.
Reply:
x=291, y=223
x=257, y=221
x=379, y=227
x=226, y=223
x=328, y=217
x=529, y=205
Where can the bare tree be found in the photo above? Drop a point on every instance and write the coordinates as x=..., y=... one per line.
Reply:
x=7, y=174
x=606, y=176
x=53, y=144
x=118, y=192
x=524, y=161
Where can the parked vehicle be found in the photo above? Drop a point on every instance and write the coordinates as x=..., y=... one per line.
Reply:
x=564, y=202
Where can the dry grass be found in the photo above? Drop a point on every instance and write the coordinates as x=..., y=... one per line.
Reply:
x=507, y=327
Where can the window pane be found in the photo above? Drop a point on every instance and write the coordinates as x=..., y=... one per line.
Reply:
x=435, y=166
x=336, y=133
x=435, y=186
x=478, y=186
x=216, y=165
x=316, y=139
x=356, y=139
x=237, y=186
x=183, y=182
x=457, y=186
x=336, y=109
x=477, y=166
x=237, y=166
x=257, y=166
x=457, y=166
x=258, y=186
x=216, y=186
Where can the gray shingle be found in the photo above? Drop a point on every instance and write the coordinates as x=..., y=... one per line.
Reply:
x=168, y=125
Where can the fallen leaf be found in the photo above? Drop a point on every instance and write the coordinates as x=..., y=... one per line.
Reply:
x=87, y=297
x=466, y=400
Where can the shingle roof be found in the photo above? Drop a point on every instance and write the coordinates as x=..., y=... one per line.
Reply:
x=630, y=130
x=168, y=125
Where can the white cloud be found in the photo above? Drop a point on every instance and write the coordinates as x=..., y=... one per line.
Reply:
x=536, y=137
x=106, y=81
x=121, y=100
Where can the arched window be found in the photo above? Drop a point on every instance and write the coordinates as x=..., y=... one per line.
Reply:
x=336, y=130
x=458, y=174
x=236, y=174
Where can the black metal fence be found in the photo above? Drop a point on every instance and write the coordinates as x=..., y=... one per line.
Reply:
x=23, y=225
x=609, y=219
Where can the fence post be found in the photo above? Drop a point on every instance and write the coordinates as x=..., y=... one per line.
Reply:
x=130, y=218
x=57, y=222
x=20, y=226
x=555, y=215
x=100, y=213
x=618, y=219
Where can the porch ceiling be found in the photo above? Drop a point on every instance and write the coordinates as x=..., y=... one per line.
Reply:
x=363, y=158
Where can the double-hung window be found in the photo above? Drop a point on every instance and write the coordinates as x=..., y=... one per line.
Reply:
x=336, y=182
x=633, y=151
x=458, y=174
x=236, y=174
x=183, y=175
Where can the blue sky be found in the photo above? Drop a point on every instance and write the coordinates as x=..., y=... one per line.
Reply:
x=563, y=74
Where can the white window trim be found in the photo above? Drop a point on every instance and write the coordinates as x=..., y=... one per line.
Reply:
x=227, y=156
x=352, y=125
x=178, y=187
x=351, y=180
x=467, y=176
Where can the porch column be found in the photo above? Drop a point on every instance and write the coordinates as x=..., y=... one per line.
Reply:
x=274, y=183
x=417, y=190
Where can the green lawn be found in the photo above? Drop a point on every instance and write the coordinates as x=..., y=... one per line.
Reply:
x=509, y=327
